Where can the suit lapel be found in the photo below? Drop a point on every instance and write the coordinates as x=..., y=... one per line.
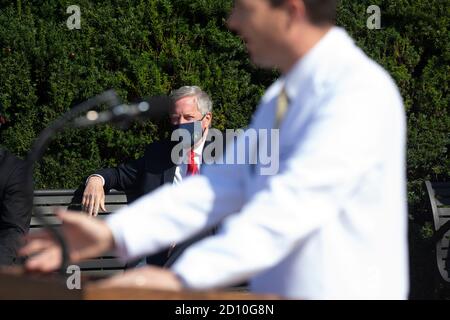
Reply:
x=169, y=174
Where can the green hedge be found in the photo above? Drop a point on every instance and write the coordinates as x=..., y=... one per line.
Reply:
x=413, y=45
x=148, y=47
x=140, y=48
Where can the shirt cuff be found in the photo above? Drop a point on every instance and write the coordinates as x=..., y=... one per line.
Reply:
x=95, y=175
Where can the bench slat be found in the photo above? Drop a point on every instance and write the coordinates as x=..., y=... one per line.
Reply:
x=443, y=220
x=100, y=273
x=101, y=263
x=66, y=200
x=50, y=210
x=443, y=202
x=67, y=192
x=442, y=192
x=49, y=200
x=113, y=207
x=53, y=221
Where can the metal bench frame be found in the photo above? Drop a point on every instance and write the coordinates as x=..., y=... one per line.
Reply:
x=439, y=194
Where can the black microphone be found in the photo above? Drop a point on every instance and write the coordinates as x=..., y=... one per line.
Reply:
x=37, y=152
x=152, y=108
x=120, y=114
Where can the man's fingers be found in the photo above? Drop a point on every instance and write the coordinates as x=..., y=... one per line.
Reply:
x=92, y=205
x=34, y=247
x=47, y=261
x=96, y=206
x=68, y=217
x=102, y=205
x=85, y=202
x=42, y=235
x=147, y=277
x=84, y=253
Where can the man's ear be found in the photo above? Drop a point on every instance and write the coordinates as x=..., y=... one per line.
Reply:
x=296, y=9
x=208, y=117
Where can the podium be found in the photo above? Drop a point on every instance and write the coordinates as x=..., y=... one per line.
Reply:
x=16, y=285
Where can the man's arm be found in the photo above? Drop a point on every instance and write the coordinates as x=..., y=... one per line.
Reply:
x=15, y=214
x=123, y=177
x=174, y=213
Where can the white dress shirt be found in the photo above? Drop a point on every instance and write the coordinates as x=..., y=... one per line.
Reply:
x=181, y=170
x=331, y=224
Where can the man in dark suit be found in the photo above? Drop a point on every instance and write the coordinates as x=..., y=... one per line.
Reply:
x=16, y=200
x=192, y=110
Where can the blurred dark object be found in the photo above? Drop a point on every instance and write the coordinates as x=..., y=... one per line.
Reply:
x=16, y=199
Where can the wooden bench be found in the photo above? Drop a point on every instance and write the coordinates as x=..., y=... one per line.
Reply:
x=439, y=193
x=49, y=200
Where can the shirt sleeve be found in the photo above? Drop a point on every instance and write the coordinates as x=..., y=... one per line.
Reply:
x=95, y=175
x=338, y=155
x=174, y=213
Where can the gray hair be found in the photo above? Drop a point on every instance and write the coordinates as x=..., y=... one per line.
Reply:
x=204, y=102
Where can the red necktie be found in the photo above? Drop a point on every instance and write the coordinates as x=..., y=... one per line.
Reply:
x=192, y=168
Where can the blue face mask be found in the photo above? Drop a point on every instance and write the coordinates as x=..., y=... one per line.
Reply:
x=188, y=133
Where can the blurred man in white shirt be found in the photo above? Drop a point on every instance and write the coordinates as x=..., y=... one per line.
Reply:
x=330, y=224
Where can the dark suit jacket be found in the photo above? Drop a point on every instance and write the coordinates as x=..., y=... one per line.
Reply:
x=144, y=175
x=139, y=177
x=16, y=201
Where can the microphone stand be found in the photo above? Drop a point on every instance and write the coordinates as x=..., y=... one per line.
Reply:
x=38, y=149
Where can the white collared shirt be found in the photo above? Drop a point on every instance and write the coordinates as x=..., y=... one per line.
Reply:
x=181, y=170
x=331, y=224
